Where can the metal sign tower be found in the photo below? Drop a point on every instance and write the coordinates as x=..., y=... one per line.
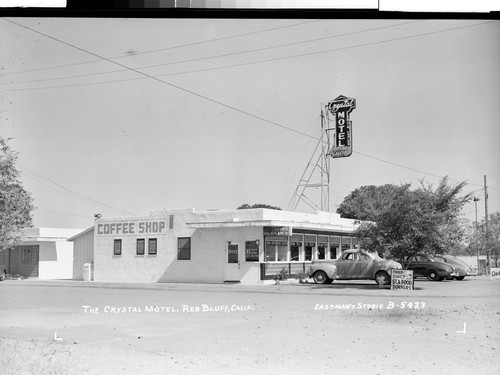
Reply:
x=335, y=142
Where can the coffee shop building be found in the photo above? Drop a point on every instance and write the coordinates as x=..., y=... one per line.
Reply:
x=214, y=246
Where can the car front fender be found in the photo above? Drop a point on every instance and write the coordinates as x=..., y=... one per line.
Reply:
x=328, y=268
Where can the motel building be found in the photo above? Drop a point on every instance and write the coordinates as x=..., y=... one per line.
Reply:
x=214, y=246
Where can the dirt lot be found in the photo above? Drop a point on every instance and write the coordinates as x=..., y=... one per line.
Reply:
x=449, y=327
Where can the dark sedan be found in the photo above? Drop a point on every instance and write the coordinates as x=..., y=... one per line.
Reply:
x=424, y=265
x=462, y=268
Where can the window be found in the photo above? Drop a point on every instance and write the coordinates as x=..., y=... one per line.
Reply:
x=270, y=252
x=282, y=251
x=364, y=257
x=322, y=246
x=152, y=246
x=27, y=255
x=295, y=246
x=346, y=243
x=184, y=248
x=141, y=246
x=117, y=249
x=334, y=247
x=171, y=222
x=252, y=251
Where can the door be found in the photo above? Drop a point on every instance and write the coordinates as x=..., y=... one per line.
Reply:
x=350, y=266
x=232, y=262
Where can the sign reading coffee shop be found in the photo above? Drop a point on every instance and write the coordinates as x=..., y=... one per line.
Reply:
x=131, y=227
x=341, y=107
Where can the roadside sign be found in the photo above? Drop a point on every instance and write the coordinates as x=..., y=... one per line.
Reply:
x=402, y=280
x=495, y=273
x=340, y=108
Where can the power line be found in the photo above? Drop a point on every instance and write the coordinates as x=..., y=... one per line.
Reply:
x=214, y=56
x=64, y=190
x=240, y=110
x=63, y=213
x=412, y=169
x=165, y=82
x=239, y=64
x=163, y=49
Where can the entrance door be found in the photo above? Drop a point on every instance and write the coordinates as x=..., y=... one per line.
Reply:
x=232, y=262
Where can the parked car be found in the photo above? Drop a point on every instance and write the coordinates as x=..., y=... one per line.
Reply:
x=354, y=264
x=424, y=265
x=462, y=267
x=3, y=272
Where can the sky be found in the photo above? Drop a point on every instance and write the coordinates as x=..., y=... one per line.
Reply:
x=127, y=116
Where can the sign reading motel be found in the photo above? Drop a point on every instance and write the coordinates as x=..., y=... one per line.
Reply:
x=341, y=107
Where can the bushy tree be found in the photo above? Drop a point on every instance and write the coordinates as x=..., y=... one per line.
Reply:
x=16, y=204
x=257, y=205
x=398, y=221
x=478, y=241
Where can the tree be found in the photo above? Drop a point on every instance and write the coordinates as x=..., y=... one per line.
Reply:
x=257, y=205
x=16, y=204
x=398, y=221
x=478, y=241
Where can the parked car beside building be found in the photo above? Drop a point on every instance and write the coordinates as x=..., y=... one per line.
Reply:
x=424, y=265
x=354, y=264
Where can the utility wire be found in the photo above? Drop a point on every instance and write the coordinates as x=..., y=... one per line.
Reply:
x=214, y=56
x=244, y=63
x=164, y=49
x=37, y=177
x=165, y=82
x=237, y=109
x=411, y=169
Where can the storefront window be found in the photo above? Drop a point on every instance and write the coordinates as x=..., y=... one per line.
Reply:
x=322, y=246
x=252, y=251
x=334, y=246
x=356, y=243
x=296, y=242
x=346, y=243
x=310, y=246
x=282, y=251
x=270, y=252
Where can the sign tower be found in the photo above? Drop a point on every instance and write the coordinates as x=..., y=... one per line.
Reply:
x=335, y=142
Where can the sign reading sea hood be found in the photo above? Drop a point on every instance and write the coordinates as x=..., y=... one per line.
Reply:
x=341, y=107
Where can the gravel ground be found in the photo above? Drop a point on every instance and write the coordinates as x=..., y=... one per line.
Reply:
x=68, y=327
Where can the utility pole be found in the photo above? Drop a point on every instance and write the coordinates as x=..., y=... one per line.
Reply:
x=487, y=234
x=476, y=199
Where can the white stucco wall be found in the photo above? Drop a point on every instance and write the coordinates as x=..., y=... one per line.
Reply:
x=55, y=252
x=209, y=232
x=83, y=252
x=56, y=260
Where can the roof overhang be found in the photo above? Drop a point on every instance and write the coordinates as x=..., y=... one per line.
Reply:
x=271, y=223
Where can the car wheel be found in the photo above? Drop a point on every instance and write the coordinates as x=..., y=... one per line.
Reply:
x=320, y=277
x=382, y=278
x=459, y=277
x=432, y=275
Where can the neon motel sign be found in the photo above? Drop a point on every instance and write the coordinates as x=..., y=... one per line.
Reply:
x=340, y=108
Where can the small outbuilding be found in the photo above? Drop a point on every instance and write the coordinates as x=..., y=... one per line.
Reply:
x=44, y=253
